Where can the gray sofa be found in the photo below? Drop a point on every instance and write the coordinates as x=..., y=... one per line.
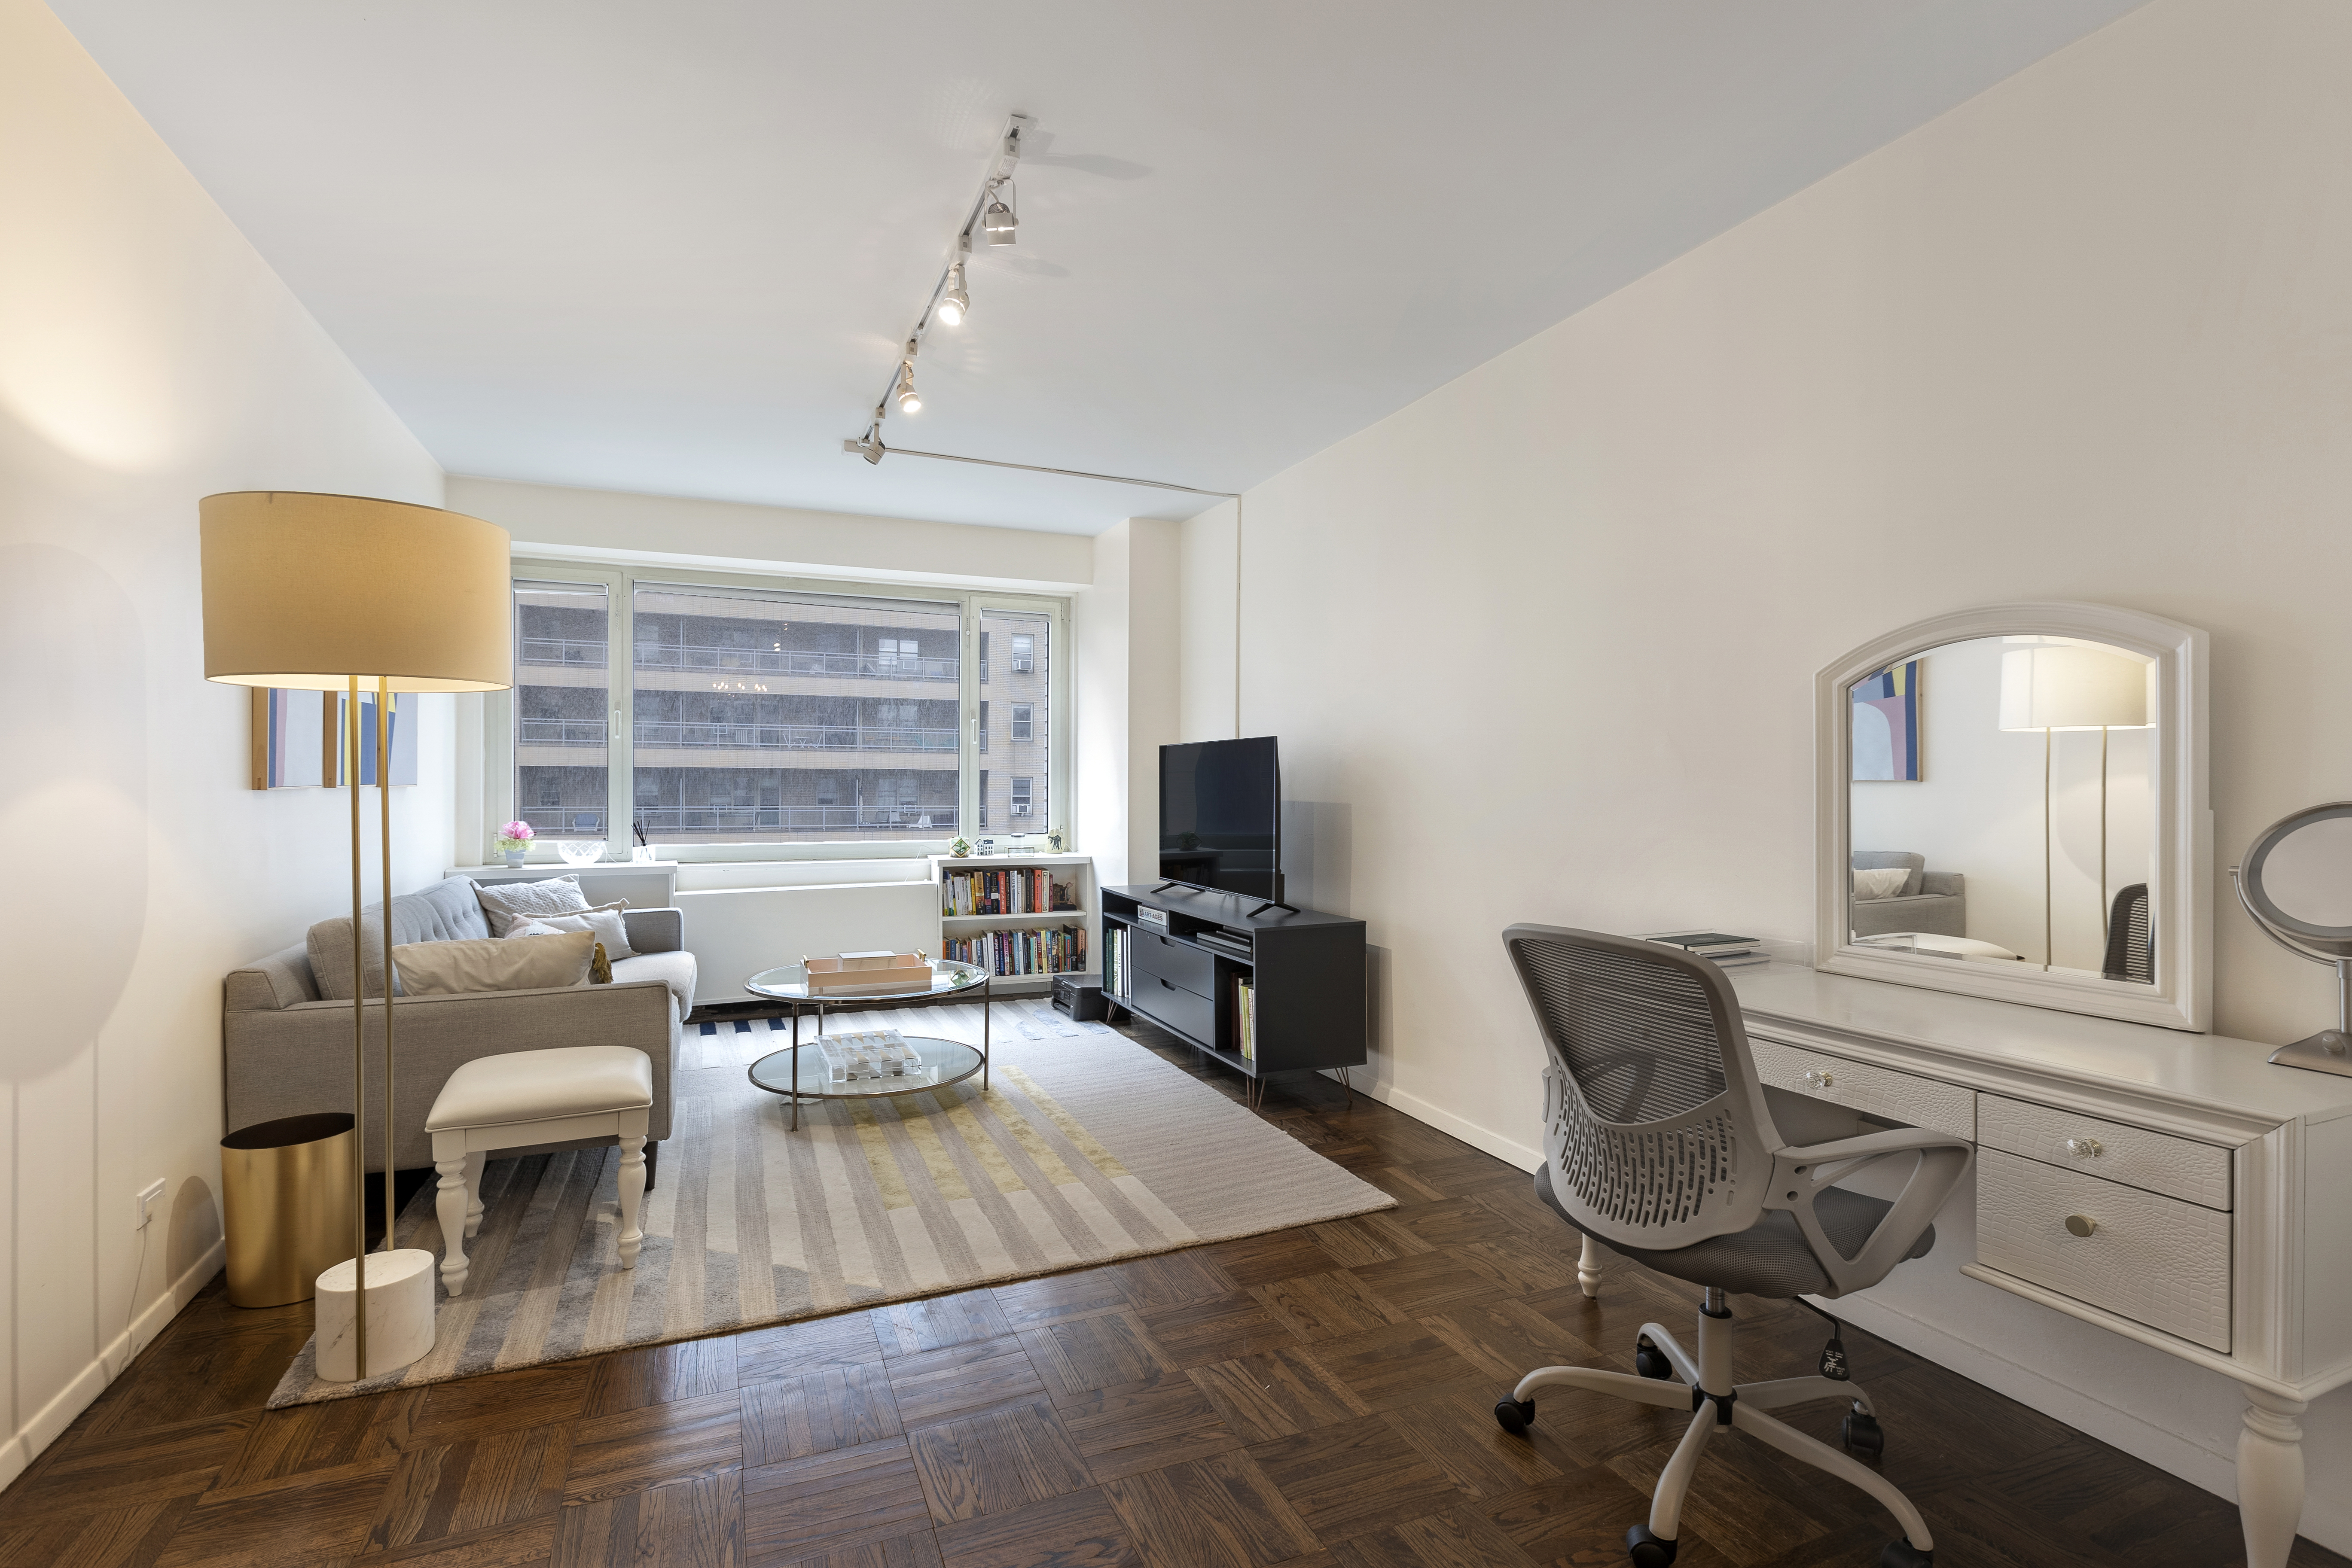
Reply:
x=1933, y=901
x=288, y=1043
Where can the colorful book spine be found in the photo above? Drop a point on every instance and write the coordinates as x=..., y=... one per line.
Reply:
x=1060, y=950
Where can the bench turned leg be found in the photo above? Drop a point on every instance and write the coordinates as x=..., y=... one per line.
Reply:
x=474, y=1192
x=633, y=1192
x=450, y=1203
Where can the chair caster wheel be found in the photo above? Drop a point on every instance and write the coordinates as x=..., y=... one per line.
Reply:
x=1901, y=1553
x=1646, y=1550
x=1515, y=1416
x=1652, y=1363
x=1861, y=1434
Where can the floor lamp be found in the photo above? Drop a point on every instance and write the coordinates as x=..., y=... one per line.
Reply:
x=343, y=594
x=2067, y=685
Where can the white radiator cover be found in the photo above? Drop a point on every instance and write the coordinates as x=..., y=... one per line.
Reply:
x=734, y=933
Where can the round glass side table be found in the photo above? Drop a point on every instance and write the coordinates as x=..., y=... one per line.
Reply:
x=942, y=1061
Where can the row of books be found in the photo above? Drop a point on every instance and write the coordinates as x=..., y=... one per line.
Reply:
x=1721, y=947
x=1023, y=890
x=1118, y=979
x=1246, y=1016
x=1052, y=950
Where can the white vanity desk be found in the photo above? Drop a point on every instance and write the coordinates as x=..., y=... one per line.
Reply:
x=2212, y=1182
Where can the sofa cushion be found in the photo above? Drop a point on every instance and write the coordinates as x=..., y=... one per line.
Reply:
x=504, y=903
x=674, y=970
x=610, y=928
x=1879, y=859
x=492, y=964
x=445, y=912
x=540, y=1085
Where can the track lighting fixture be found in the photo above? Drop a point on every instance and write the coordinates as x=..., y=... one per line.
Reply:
x=910, y=399
x=956, y=302
x=998, y=219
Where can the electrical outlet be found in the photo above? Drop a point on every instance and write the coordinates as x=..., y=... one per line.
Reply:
x=147, y=1196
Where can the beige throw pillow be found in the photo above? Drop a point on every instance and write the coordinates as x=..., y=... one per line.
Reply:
x=505, y=902
x=492, y=964
x=1876, y=885
x=610, y=929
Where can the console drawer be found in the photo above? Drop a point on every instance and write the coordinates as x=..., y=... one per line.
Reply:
x=1174, y=962
x=2151, y=1259
x=1874, y=1091
x=2158, y=1162
x=1174, y=1008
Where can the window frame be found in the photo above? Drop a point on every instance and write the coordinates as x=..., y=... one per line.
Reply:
x=620, y=584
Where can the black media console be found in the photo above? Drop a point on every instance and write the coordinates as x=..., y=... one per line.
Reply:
x=1306, y=971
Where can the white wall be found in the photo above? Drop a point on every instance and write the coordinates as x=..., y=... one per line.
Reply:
x=720, y=535
x=148, y=357
x=1977, y=809
x=1128, y=628
x=1547, y=636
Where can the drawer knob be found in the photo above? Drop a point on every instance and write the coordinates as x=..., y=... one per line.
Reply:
x=2086, y=1148
x=2081, y=1225
x=1819, y=1079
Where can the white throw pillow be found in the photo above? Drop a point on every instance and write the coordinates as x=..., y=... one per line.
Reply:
x=1876, y=885
x=491, y=964
x=504, y=902
x=607, y=924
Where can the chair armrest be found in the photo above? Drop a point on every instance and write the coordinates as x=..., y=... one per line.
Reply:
x=654, y=930
x=1798, y=1175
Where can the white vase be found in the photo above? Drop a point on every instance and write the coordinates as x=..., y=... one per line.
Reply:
x=514, y=857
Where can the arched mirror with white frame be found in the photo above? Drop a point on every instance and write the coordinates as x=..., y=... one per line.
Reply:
x=2011, y=803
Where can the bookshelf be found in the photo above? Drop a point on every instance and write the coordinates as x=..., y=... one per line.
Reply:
x=1306, y=971
x=1076, y=872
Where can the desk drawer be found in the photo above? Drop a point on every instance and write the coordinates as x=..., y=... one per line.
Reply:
x=1874, y=1091
x=1174, y=962
x=1174, y=1008
x=2177, y=1167
x=2152, y=1258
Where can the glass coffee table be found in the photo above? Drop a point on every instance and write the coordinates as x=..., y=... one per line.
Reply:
x=941, y=1062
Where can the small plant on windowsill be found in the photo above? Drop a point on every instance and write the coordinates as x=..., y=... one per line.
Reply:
x=514, y=841
x=960, y=848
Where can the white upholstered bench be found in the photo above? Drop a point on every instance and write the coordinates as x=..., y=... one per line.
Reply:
x=528, y=1097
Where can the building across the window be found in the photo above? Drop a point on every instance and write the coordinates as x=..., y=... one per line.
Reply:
x=768, y=718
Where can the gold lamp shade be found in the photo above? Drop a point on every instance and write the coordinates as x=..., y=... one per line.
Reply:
x=308, y=591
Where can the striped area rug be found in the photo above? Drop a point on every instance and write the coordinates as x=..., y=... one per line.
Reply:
x=1085, y=1148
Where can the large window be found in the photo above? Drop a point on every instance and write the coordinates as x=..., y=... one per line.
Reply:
x=724, y=717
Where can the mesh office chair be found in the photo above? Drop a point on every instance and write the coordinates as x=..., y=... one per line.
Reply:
x=1658, y=1142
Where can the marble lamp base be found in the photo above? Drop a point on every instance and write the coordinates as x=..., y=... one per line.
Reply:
x=399, y=1314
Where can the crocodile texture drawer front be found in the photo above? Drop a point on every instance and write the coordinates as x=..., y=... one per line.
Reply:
x=2151, y=1259
x=2178, y=1167
x=1175, y=962
x=1874, y=1091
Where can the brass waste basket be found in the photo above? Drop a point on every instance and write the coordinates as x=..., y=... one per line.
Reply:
x=286, y=1190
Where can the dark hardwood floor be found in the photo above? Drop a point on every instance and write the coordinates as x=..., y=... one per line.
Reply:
x=1319, y=1396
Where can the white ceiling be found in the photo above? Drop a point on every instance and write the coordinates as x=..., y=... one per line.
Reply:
x=672, y=248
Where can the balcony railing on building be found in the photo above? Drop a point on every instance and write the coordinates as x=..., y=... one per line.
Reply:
x=744, y=737
x=652, y=820
x=693, y=656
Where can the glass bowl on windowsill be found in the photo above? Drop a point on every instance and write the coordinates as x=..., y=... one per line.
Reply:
x=580, y=851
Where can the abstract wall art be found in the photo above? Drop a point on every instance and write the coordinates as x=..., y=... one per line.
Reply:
x=1886, y=724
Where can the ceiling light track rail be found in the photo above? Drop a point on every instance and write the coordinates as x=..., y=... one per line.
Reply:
x=873, y=450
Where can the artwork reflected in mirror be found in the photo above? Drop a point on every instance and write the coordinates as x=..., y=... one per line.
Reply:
x=2001, y=806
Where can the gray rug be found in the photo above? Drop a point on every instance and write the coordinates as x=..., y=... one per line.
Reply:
x=1085, y=1148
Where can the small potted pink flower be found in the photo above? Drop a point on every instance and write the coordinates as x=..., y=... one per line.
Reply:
x=514, y=841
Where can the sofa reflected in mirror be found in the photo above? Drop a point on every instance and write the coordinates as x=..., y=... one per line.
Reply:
x=1934, y=902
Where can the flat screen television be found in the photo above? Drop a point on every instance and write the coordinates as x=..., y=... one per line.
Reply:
x=1221, y=816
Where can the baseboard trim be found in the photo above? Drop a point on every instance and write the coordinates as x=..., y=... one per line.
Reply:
x=1485, y=1140
x=51, y=1420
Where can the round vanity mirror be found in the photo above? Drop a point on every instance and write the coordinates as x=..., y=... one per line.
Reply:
x=2298, y=878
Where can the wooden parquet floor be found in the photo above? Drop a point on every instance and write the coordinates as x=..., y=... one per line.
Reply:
x=1318, y=1397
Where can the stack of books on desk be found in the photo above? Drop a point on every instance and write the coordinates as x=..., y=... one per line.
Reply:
x=1724, y=949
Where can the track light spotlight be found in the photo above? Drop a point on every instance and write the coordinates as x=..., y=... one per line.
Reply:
x=868, y=446
x=956, y=302
x=910, y=399
x=998, y=220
